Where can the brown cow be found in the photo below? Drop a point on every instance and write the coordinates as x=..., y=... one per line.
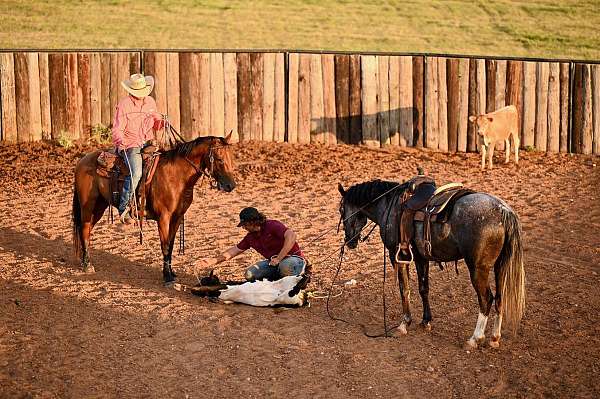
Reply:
x=496, y=126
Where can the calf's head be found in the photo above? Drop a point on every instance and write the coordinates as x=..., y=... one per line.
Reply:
x=482, y=122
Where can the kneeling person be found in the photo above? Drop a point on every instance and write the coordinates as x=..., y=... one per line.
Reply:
x=270, y=238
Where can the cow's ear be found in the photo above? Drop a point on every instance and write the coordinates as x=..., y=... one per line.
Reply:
x=228, y=137
x=472, y=118
x=489, y=118
x=341, y=189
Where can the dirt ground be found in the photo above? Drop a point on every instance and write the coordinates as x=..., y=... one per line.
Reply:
x=120, y=333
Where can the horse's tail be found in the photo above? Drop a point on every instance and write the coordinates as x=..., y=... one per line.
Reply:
x=510, y=273
x=76, y=220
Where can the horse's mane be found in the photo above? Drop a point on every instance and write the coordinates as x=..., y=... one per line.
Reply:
x=184, y=148
x=362, y=193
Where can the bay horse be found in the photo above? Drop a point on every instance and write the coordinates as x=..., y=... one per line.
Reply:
x=481, y=229
x=169, y=194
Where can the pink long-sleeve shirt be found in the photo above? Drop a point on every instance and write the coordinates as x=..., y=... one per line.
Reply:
x=135, y=119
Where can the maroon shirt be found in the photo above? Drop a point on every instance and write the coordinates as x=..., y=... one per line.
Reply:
x=269, y=240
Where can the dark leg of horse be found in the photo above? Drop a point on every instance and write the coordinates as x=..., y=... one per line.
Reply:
x=480, y=279
x=495, y=340
x=423, y=276
x=167, y=238
x=403, y=282
x=91, y=212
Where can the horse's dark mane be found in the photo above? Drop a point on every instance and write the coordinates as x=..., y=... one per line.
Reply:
x=184, y=148
x=362, y=193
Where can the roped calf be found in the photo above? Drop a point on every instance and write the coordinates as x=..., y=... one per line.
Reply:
x=496, y=126
x=287, y=291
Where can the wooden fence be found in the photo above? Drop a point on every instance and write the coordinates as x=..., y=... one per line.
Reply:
x=376, y=100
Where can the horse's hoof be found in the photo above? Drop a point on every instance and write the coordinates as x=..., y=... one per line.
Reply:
x=402, y=328
x=89, y=269
x=426, y=326
x=494, y=343
x=470, y=344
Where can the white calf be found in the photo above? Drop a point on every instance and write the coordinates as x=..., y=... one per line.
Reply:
x=496, y=126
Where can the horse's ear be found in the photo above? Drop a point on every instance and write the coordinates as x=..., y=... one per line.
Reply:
x=228, y=137
x=341, y=189
x=212, y=271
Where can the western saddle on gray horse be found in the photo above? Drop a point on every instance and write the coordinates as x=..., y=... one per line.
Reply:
x=426, y=203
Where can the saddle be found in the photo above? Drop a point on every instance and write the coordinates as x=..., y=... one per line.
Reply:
x=423, y=202
x=112, y=166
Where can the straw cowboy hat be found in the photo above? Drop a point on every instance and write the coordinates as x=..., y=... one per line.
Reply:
x=138, y=85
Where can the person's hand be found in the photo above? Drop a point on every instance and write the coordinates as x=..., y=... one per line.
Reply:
x=274, y=261
x=204, y=264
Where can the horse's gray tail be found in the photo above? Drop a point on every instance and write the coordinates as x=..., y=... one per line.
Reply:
x=76, y=220
x=510, y=272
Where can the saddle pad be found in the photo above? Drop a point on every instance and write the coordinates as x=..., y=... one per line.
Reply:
x=109, y=163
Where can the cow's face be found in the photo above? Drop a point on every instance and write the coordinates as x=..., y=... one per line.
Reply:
x=482, y=122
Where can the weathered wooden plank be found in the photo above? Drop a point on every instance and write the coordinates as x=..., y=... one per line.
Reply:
x=355, y=104
x=529, y=92
x=73, y=98
x=158, y=69
x=586, y=112
x=554, y=107
x=257, y=63
x=217, y=95
x=279, y=110
x=473, y=106
x=463, y=104
x=84, y=82
x=317, y=134
x=204, y=106
x=95, y=90
x=44, y=95
x=105, y=89
x=500, y=98
x=185, y=91
x=541, y=113
x=394, y=85
x=481, y=90
x=173, y=91
x=514, y=90
x=231, y=115
x=369, y=79
x=442, y=105
x=491, y=68
x=244, y=96
x=27, y=90
x=405, y=102
x=452, y=78
x=22, y=97
x=595, y=70
x=383, y=100
x=8, y=97
x=58, y=93
x=292, y=128
x=304, y=99
x=418, y=101
x=268, y=105
x=342, y=97
x=116, y=90
x=431, y=103
x=565, y=85
x=329, y=125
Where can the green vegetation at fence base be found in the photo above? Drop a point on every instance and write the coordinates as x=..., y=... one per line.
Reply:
x=539, y=28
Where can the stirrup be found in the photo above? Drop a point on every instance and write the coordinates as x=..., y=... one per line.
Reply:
x=405, y=262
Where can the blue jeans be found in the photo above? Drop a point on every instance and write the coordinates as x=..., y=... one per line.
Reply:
x=133, y=159
x=290, y=266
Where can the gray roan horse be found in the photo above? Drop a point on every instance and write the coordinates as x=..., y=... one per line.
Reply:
x=481, y=229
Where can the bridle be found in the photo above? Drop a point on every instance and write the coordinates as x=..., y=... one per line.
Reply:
x=211, y=165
